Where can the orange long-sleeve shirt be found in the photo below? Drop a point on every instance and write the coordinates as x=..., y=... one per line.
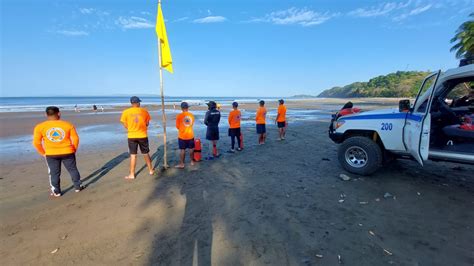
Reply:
x=55, y=137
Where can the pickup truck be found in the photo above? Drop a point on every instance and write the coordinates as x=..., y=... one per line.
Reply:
x=437, y=126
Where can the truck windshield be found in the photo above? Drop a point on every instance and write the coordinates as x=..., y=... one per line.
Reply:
x=423, y=94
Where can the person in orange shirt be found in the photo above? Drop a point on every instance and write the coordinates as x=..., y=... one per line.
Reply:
x=261, y=123
x=136, y=120
x=57, y=141
x=184, y=124
x=281, y=119
x=234, y=127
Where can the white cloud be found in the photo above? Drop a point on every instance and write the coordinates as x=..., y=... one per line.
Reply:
x=304, y=17
x=181, y=19
x=210, y=19
x=86, y=11
x=93, y=11
x=381, y=10
x=413, y=12
x=72, y=32
x=134, y=23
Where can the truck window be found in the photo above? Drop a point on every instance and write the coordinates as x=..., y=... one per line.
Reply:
x=423, y=95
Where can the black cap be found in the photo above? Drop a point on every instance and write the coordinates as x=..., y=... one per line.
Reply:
x=135, y=99
x=281, y=101
x=184, y=105
x=262, y=102
x=235, y=104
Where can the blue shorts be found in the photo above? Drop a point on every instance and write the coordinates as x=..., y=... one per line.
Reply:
x=281, y=124
x=186, y=144
x=261, y=129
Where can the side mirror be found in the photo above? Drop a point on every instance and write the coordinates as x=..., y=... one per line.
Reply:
x=404, y=106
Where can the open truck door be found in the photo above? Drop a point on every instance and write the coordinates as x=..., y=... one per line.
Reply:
x=416, y=131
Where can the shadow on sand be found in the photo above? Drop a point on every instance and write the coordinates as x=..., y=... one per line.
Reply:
x=101, y=172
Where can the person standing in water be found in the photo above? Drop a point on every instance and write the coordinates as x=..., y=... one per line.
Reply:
x=57, y=141
x=211, y=120
x=136, y=120
x=281, y=119
x=260, y=118
x=234, y=127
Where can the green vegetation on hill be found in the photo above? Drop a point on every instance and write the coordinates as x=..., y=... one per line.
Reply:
x=398, y=84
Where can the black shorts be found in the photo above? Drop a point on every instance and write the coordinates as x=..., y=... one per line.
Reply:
x=186, y=144
x=281, y=124
x=234, y=132
x=134, y=143
x=261, y=129
x=212, y=133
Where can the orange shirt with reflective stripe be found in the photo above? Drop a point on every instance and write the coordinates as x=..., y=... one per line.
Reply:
x=136, y=120
x=261, y=115
x=184, y=124
x=234, y=119
x=281, y=113
x=55, y=137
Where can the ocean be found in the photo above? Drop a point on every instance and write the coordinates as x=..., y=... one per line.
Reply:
x=32, y=104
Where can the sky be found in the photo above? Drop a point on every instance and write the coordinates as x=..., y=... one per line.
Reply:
x=220, y=47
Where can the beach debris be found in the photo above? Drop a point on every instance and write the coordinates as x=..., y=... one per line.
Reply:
x=319, y=256
x=345, y=177
x=35, y=228
x=54, y=251
x=341, y=200
x=377, y=199
x=387, y=252
x=360, y=224
x=363, y=202
x=138, y=255
x=387, y=195
x=418, y=193
x=371, y=233
x=64, y=237
x=287, y=195
x=325, y=159
x=339, y=259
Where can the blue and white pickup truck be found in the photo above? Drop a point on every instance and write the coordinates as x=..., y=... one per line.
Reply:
x=435, y=127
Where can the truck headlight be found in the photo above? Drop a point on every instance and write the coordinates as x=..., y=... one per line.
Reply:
x=338, y=124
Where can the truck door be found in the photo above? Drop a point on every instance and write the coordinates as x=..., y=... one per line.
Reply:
x=416, y=131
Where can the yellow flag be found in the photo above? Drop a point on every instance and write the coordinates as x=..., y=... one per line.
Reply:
x=166, y=61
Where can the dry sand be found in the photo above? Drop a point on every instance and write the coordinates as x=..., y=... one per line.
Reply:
x=277, y=204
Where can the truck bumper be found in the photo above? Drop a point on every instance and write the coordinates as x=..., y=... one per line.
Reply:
x=336, y=137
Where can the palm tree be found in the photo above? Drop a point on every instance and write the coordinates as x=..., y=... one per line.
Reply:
x=464, y=39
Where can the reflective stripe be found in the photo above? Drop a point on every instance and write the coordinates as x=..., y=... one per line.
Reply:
x=384, y=116
x=49, y=174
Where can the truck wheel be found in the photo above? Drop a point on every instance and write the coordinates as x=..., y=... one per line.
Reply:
x=360, y=155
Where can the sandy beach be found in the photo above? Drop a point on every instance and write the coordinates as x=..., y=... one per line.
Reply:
x=278, y=204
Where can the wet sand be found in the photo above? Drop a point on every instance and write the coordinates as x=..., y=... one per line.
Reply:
x=22, y=123
x=278, y=204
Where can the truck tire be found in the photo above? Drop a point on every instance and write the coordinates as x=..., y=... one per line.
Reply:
x=360, y=155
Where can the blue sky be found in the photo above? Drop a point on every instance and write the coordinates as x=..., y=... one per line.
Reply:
x=219, y=48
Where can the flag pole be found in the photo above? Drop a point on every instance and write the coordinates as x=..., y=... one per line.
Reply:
x=163, y=114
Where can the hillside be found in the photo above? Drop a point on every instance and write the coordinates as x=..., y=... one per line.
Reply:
x=398, y=84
